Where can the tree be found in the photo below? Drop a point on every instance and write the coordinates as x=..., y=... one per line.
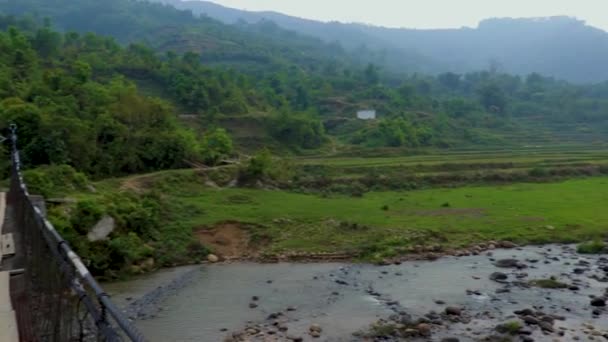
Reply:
x=298, y=130
x=371, y=74
x=493, y=98
x=449, y=80
x=216, y=145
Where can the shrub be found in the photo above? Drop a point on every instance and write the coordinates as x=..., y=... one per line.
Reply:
x=298, y=130
x=592, y=247
x=511, y=328
x=216, y=145
x=259, y=167
x=538, y=172
x=54, y=180
x=86, y=214
x=130, y=248
x=548, y=284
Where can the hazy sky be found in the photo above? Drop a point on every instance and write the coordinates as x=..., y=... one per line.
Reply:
x=429, y=13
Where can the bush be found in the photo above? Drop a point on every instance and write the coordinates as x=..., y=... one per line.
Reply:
x=258, y=167
x=54, y=180
x=298, y=130
x=548, y=284
x=86, y=214
x=592, y=247
x=130, y=248
x=538, y=172
x=216, y=145
x=263, y=166
x=511, y=328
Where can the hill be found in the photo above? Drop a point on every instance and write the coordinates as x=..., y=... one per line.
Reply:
x=562, y=47
x=164, y=28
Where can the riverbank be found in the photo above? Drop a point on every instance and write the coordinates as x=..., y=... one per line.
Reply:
x=467, y=298
x=178, y=217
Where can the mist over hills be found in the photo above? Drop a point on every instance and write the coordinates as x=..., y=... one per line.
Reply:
x=562, y=47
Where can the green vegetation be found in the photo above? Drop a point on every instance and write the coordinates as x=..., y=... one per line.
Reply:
x=268, y=117
x=592, y=247
x=550, y=283
x=310, y=223
x=147, y=233
x=511, y=328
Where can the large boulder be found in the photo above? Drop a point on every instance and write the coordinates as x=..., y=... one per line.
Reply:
x=102, y=229
x=598, y=302
x=213, y=258
x=498, y=277
x=509, y=263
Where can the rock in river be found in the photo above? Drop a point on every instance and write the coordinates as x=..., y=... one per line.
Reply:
x=598, y=302
x=508, y=263
x=498, y=277
x=453, y=311
x=424, y=329
x=213, y=258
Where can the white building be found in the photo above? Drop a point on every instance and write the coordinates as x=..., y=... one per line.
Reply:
x=368, y=114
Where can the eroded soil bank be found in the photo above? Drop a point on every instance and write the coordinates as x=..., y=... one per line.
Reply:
x=454, y=298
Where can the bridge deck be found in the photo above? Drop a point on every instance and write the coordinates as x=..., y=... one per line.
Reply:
x=8, y=322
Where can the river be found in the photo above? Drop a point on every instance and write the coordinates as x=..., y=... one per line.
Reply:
x=345, y=298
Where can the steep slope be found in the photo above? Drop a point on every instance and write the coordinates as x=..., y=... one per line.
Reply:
x=356, y=38
x=561, y=47
x=168, y=29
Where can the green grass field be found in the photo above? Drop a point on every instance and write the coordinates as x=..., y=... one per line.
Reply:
x=387, y=223
x=526, y=213
x=379, y=224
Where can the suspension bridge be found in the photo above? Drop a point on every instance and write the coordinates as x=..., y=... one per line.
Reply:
x=46, y=291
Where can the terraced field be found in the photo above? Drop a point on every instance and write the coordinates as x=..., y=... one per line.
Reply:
x=463, y=160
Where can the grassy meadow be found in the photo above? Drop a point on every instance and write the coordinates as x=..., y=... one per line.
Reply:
x=526, y=213
x=549, y=205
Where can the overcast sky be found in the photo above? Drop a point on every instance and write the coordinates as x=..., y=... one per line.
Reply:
x=429, y=13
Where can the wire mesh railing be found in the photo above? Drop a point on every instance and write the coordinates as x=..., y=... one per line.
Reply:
x=64, y=301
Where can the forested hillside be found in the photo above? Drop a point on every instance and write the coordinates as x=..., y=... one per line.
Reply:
x=291, y=105
x=562, y=47
x=165, y=28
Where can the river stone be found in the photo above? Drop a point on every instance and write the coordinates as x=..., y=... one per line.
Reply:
x=315, y=327
x=530, y=319
x=424, y=329
x=598, y=302
x=102, y=229
x=507, y=263
x=498, y=276
x=453, y=311
x=213, y=258
x=546, y=326
x=507, y=244
x=524, y=312
x=450, y=339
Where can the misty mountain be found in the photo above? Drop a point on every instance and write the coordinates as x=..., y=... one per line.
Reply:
x=561, y=47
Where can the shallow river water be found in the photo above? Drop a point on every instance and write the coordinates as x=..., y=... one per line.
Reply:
x=346, y=298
